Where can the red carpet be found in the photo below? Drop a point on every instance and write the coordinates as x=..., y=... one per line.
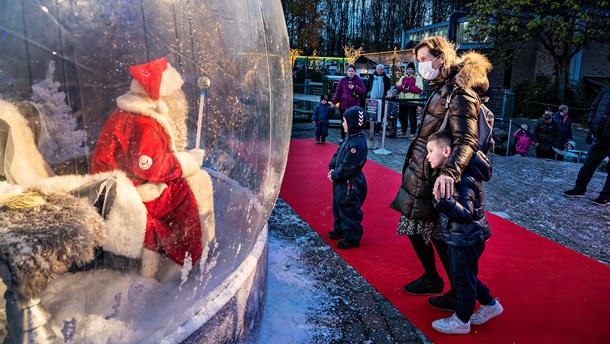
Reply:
x=550, y=294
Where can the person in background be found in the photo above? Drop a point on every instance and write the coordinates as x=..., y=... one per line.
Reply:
x=409, y=87
x=377, y=86
x=321, y=119
x=465, y=230
x=349, y=183
x=565, y=126
x=349, y=92
x=523, y=140
x=545, y=133
x=392, y=116
x=599, y=127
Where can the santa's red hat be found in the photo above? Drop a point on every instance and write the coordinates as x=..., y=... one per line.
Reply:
x=156, y=79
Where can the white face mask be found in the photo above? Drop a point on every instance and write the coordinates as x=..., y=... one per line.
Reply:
x=426, y=70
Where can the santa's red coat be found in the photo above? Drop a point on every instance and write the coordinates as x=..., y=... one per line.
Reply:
x=142, y=147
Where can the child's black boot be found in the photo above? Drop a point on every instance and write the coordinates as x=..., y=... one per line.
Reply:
x=334, y=235
x=347, y=244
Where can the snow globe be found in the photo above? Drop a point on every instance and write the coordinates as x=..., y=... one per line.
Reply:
x=142, y=148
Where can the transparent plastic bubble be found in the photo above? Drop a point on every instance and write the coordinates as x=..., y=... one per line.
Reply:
x=64, y=66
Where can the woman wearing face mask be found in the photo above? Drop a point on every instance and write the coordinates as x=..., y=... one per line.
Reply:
x=465, y=78
x=349, y=92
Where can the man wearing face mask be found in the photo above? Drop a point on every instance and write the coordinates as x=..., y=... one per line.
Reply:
x=462, y=80
x=408, y=87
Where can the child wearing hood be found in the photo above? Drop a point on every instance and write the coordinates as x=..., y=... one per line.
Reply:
x=349, y=183
x=392, y=116
x=465, y=230
x=321, y=119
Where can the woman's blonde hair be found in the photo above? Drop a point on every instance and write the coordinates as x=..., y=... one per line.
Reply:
x=440, y=46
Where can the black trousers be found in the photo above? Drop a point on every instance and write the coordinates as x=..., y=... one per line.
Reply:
x=464, y=262
x=598, y=151
x=348, y=197
x=542, y=153
x=407, y=115
x=321, y=130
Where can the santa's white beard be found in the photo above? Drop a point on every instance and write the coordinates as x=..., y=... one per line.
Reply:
x=178, y=109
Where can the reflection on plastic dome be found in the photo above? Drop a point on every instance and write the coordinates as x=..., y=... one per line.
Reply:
x=142, y=146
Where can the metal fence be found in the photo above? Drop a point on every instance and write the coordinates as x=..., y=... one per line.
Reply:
x=304, y=107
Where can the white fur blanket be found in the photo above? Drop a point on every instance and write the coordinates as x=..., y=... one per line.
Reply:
x=42, y=242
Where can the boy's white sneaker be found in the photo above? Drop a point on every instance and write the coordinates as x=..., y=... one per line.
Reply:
x=451, y=325
x=484, y=313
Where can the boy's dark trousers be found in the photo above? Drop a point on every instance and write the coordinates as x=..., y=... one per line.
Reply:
x=464, y=263
x=348, y=197
x=321, y=130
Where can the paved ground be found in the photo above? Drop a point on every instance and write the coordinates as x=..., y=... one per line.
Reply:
x=525, y=190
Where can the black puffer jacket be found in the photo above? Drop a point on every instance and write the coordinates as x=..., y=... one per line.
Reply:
x=469, y=79
x=462, y=220
x=598, y=117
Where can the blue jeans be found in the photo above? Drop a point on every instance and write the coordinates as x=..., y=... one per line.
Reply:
x=464, y=262
x=598, y=151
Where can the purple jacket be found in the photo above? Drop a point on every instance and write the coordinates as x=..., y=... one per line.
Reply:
x=345, y=97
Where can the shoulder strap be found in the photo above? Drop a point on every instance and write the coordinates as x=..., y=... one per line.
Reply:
x=447, y=101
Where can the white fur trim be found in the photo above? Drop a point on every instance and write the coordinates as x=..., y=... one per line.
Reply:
x=171, y=81
x=136, y=88
x=188, y=164
x=136, y=103
x=21, y=160
x=201, y=186
x=162, y=107
x=125, y=227
x=150, y=191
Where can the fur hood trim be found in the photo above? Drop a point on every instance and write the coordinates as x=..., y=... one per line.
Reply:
x=157, y=110
x=473, y=70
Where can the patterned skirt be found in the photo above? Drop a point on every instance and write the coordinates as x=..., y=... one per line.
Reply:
x=427, y=230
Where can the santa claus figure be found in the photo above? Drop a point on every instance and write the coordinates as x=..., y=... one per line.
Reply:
x=145, y=138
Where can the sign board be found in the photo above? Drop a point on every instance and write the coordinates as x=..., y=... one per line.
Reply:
x=373, y=109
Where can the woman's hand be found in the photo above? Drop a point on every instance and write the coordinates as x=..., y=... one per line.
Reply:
x=329, y=175
x=443, y=187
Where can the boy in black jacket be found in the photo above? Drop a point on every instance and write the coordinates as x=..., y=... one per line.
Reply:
x=349, y=183
x=465, y=229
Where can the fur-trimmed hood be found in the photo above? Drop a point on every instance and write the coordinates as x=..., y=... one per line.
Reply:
x=470, y=71
x=473, y=70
